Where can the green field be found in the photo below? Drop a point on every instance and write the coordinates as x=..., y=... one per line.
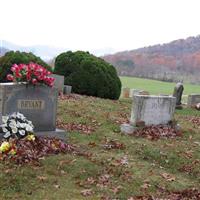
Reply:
x=156, y=87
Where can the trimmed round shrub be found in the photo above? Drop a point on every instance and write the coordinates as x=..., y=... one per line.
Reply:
x=88, y=75
x=17, y=57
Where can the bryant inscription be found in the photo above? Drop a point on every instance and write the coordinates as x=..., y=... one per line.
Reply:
x=31, y=104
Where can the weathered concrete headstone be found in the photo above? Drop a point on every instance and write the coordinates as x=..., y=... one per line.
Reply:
x=178, y=91
x=37, y=103
x=193, y=99
x=67, y=89
x=153, y=110
x=133, y=92
x=125, y=92
x=59, y=82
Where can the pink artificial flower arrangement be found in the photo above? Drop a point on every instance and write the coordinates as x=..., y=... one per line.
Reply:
x=31, y=73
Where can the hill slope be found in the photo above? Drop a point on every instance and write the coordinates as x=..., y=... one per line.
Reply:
x=47, y=52
x=177, y=60
x=106, y=163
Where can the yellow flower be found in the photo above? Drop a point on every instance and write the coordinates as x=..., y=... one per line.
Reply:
x=30, y=137
x=5, y=146
x=12, y=152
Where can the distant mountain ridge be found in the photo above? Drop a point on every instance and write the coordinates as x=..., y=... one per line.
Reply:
x=176, y=47
x=174, y=61
x=44, y=51
x=47, y=52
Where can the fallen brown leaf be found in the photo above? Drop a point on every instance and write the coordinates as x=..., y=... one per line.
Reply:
x=117, y=189
x=87, y=192
x=92, y=144
x=145, y=186
x=57, y=186
x=168, y=177
x=42, y=178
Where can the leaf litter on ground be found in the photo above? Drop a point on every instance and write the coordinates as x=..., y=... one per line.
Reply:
x=155, y=132
x=187, y=194
x=32, y=151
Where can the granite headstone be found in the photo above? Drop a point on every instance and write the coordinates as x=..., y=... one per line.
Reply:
x=37, y=103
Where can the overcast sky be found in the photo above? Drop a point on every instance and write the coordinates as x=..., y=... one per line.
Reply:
x=96, y=24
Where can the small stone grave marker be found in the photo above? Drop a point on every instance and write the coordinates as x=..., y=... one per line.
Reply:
x=178, y=91
x=125, y=92
x=193, y=99
x=59, y=82
x=67, y=89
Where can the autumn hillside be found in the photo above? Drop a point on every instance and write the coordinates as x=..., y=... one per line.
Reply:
x=104, y=164
x=177, y=60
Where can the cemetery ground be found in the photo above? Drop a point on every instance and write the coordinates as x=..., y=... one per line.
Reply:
x=111, y=165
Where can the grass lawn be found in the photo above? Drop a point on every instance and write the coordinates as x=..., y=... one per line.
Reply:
x=156, y=87
x=116, y=166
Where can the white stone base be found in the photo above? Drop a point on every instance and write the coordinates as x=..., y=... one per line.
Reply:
x=58, y=133
x=127, y=128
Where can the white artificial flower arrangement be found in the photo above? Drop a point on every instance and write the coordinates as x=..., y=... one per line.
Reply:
x=16, y=126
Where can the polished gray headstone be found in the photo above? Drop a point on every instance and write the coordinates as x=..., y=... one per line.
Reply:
x=37, y=103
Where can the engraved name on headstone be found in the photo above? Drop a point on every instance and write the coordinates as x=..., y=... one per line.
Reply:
x=31, y=104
